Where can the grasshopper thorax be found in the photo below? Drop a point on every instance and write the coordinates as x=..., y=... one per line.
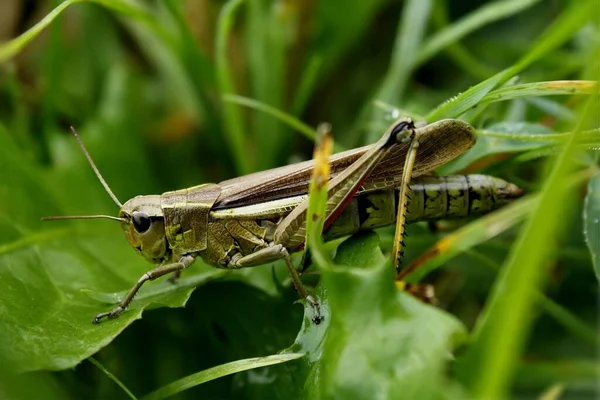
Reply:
x=143, y=224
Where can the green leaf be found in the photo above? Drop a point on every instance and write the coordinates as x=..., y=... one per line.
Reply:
x=376, y=332
x=591, y=221
x=52, y=276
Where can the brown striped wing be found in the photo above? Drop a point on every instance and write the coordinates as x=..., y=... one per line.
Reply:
x=440, y=142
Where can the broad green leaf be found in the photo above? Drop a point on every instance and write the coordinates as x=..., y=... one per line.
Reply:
x=375, y=333
x=54, y=274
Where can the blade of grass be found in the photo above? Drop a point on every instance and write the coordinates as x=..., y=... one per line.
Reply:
x=552, y=88
x=307, y=83
x=560, y=314
x=569, y=321
x=559, y=32
x=553, y=108
x=291, y=121
x=112, y=377
x=585, y=137
x=268, y=30
x=317, y=198
x=505, y=321
x=591, y=221
x=234, y=121
x=13, y=47
x=409, y=36
x=457, y=51
x=284, y=117
x=480, y=17
x=218, y=372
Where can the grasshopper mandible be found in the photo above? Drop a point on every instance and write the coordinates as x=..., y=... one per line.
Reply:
x=261, y=217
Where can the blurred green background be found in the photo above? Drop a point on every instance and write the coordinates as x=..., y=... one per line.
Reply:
x=154, y=88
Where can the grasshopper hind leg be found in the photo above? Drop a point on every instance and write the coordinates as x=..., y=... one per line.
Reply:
x=424, y=292
x=403, y=197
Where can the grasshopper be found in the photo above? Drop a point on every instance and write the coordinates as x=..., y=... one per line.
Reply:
x=261, y=217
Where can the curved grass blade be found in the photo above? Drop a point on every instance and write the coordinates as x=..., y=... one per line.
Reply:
x=482, y=16
x=218, y=372
x=591, y=221
x=288, y=119
x=234, y=121
x=506, y=320
x=586, y=137
x=409, y=36
x=112, y=377
x=13, y=47
x=551, y=88
x=562, y=30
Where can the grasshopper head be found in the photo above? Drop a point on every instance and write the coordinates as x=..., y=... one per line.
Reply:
x=141, y=219
x=143, y=223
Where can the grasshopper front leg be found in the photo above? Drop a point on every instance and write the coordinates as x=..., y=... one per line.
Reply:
x=151, y=275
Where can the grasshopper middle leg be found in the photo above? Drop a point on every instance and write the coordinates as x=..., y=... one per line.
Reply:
x=273, y=253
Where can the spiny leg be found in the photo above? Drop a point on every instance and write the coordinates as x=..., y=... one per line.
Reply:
x=425, y=292
x=151, y=275
x=403, y=199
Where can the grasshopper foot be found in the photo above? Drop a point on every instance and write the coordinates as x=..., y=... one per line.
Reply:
x=317, y=318
x=174, y=277
x=110, y=315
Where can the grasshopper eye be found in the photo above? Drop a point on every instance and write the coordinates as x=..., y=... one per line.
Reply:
x=141, y=221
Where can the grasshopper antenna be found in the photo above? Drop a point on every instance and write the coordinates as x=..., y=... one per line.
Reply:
x=100, y=178
x=102, y=181
x=62, y=217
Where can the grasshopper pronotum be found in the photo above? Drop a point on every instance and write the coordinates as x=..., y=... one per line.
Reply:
x=259, y=218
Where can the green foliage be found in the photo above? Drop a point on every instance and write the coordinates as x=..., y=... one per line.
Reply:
x=170, y=94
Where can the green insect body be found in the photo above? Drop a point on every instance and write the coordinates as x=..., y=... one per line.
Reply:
x=259, y=218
